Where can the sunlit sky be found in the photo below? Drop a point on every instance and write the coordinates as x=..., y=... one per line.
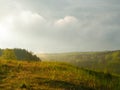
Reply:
x=51, y=26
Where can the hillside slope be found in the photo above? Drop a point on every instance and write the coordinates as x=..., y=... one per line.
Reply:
x=100, y=61
x=18, y=75
x=18, y=54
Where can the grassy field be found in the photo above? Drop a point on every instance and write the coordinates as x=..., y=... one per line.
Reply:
x=24, y=75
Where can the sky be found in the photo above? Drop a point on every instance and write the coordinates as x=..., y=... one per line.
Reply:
x=49, y=26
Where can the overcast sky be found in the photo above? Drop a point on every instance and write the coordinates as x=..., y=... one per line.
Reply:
x=60, y=25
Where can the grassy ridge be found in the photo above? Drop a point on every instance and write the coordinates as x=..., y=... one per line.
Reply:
x=18, y=75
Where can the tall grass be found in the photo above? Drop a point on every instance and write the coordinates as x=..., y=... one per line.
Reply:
x=19, y=75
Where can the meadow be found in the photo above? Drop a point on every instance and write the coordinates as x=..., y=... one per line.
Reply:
x=35, y=75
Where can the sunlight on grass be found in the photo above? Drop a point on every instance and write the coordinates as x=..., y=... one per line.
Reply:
x=20, y=75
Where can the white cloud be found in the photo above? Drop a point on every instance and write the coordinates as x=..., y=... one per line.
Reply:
x=23, y=19
x=66, y=21
x=30, y=17
x=5, y=26
x=19, y=25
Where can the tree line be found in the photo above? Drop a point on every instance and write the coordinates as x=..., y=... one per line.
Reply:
x=18, y=54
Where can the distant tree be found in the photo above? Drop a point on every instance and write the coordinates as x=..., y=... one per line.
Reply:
x=8, y=54
x=18, y=54
x=23, y=54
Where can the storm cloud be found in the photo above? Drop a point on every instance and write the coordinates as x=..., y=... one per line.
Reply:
x=60, y=26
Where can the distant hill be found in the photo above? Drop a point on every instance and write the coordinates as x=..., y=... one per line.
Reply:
x=108, y=61
x=18, y=54
x=18, y=75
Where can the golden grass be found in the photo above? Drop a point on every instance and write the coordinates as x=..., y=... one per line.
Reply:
x=19, y=75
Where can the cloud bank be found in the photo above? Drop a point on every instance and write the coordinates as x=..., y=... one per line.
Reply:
x=60, y=26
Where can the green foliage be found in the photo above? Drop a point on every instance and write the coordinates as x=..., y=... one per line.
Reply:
x=18, y=54
x=23, y=54
x=107, y=60
x=116, y=55
x=8, y=54
x=0, y=52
